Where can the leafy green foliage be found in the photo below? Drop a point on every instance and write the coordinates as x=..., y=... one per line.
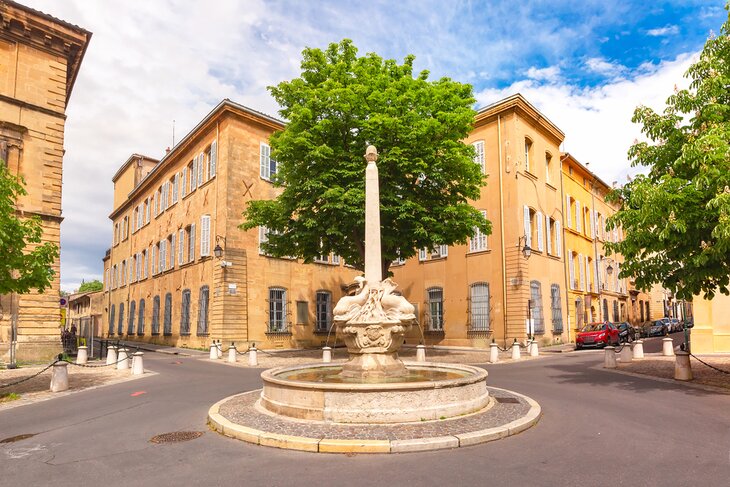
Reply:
x=676, y=218
x=339, y=105
x=94, y=285
x=25, y=263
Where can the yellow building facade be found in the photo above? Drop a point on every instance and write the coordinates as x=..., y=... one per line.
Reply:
x=711, y=332
x=164, y=282
x=40, y=58
x=492, y=288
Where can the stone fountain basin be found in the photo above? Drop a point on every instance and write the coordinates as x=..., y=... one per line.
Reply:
x=322, y=397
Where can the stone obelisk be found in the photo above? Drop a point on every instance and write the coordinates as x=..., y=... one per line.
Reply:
x=373, y=266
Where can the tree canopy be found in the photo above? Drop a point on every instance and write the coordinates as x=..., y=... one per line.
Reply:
x=95, y=285
x=339, y=105
x=26, y=262
x=676, y=217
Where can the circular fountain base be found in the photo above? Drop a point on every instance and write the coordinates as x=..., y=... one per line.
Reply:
x=427, y=392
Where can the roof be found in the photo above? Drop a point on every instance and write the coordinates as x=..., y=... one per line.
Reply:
x=583, y=167
x=132, y=158
x=519, y=102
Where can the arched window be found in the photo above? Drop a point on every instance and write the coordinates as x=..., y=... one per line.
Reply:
x=132, y=316
x=528, y=154
x=323, y=311
x=435, y=308
x=185, y=313
x=479, y=307
x=156, y=315
x=277, y=310
x=203, y=311
x=556, y=308
x=140, y=321
x=536, y=307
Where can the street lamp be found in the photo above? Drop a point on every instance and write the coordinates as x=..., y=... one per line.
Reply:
x=218, y=251
x=526, y=250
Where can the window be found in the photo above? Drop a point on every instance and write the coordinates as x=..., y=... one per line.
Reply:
x=111, y=320
x=175, y=188
x=267, y=164
x=536, y=308
x=421, y=254
x=478, y=241
x=181, y=247
x=323, y=312
x=191, y=242
x=156, y=315
x=615, y=311
x=582, y=272
x=440, y=251
x=132, y=315
x=479, y=307
x=203, y=311
x=264, y=233
x=641, y=310
x=212, y=159
x=605, y=310
x=167, y=330
x=192, y=171
x=163, y=256
x=140, y=321
x=548, y=159
x=435, y=309
x=277, y=310
x=335, y=259
x=205, y=235
x=569, y=211
x=479, y=155
x=556, y=309
x=528, y=151
x=534, y=229
x=147, y=211
x=120, y=323
x=185, y=313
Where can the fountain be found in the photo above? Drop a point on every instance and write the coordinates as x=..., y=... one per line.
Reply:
x=374, y=389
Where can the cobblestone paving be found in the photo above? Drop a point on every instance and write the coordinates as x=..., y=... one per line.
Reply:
x=240, y=410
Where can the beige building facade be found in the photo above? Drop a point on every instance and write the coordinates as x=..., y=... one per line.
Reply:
x=40, y=58
x=164, y=282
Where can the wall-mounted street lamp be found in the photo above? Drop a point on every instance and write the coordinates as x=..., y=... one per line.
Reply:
x=218, y=251
x=526, y=250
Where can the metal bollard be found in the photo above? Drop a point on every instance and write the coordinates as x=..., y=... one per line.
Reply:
x=219, y=348
x=682, y=367
x=420, y=353
x=82, y=355
x=609, y=359
x=625, y=355
x=137, y=363
x=515, y=350
x=111, y=355
x=493, y=353
x=534, y=351
x=253, y=359
x=213, y=351
x=122, y=359
x=59, y=377
x=232, y=353
x=638, y=350
x=667, y=347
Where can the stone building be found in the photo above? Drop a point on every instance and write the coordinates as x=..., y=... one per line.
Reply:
x=512, y=282
x=40, y=57
x=181, y=272
x=85, y=313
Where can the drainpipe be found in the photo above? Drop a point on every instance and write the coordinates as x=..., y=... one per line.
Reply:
x=501, y=229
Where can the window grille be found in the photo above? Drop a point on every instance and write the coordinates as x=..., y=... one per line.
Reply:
x=185, y=313
x=132, y=315
x=479, y=307
x=277, y=310
x=111, y=320
x=140, y=321
x=324, y=311
x=120, y=323
x=536, y=308
x=556, y=308
x=156, y=315
x=203, y=311
x=436, y=309
x=167, y=330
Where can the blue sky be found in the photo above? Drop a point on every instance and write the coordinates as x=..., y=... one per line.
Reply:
x=585, y=64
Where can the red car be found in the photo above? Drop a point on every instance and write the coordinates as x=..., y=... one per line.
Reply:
x=597, y=335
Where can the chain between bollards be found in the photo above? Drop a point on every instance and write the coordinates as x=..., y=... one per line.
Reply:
x=59, y=359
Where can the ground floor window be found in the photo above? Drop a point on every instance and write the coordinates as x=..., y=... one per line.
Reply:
x=323, y=311
x=435, y=309
x=556, y=309
x=111, y=321
x=132, y=315
x=120, y=323
x=167, y=330
x=479, y=307
x=203, y=311
x=185, y=313
x=615, y=311
x=277, y=309
x=156, y=315
x=536, y=307
x=605, y=309
x=140, y=321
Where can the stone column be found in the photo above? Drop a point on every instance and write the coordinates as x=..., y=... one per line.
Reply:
x=682, y=367
x=253, y=359
x=123, y=359
x=59, y=377
x=232, y=353
x=609, y=359
x=515, y=351
x=326, y=354
x=638, y=349
x=420, y=353
x=373, y=266
x=82, y=356
x=111, y=355
x=493, y=353
x=137, y=363
x=667, y=347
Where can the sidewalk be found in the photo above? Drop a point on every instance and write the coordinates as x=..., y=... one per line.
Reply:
x=151, y=347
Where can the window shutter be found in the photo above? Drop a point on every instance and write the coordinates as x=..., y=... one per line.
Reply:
x=161, y=262
x=153, y=260
x=443, y=250
x=549, y=235
x=588, y=273
x=194, y=175
x=582, y=272
x=204, y=235
x=264, y=155
x=184, y=181
x=201, y=165
x=181, y=247
x=421, y=254
x=578, y=226
x=172, y=250
x=176, y=188
x=213, y=159
x=479, y=157
x=263, y=238
x=571, y=269
x=191, y=241
x=591, y=218
x=596, y=276
x=558, y=239
x=540, y=233
x=568, y=214
x=528, y=227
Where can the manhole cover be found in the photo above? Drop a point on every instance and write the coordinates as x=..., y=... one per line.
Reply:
x=13, y=439
x=176, y=436
x=508, y=400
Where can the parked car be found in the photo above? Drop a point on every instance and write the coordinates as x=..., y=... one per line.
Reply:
x=674, y=325
x=597, y=335
x=654, y=328
x=626, y=332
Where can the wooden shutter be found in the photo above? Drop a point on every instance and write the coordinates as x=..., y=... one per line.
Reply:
x=558, y=239
x=571, y=269
x=591, y=218
x=479, y=157
x=181, y=247
x=213, y=159
x=201, y=166
x=171, y=260
x=549, y=235
x=540, y=233
x=191, y=241
x=205, y=235
x=568, y=214
x=578, y=226
x=582, y=272
x=527, y=225
x=264, y=156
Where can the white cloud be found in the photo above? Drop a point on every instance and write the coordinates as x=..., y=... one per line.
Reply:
x=663, y=31
x=604, y=68
x=550, y=73
x=597, y=121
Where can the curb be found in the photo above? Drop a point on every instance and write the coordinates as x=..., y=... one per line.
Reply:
x=333, y=445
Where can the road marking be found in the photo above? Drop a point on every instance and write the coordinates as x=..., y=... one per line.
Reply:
x=138, y=393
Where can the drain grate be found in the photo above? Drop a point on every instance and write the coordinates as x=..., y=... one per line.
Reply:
x=13, y=439
x=176, y=436
x=508, y=400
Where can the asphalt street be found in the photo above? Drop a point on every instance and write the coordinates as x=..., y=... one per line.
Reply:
x=598, y=428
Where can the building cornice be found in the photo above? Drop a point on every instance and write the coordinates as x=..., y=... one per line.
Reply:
x=31, y=106
x=518, y=104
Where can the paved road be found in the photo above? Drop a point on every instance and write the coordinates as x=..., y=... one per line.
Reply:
x=598, y=428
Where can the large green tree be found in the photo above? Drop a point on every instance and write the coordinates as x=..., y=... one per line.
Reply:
x=676, y=217
x=95, y=285
x=25, y=262
x=339, y=105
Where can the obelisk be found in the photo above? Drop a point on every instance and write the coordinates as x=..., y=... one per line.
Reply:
x=373, y=266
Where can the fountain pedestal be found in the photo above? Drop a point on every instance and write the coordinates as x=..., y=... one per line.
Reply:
x=373, y=349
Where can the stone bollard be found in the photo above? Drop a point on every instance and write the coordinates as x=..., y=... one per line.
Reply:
x=515, y=351
x=213, y=351
x=253, y=359
x=420, y=353
x=59, y=377
x=219, y=348
x=232, y=353
x=667, y=347
x=638, y=349
x=493, y=353
x=137, y=363
x=111, y=355
x=82, y=356
x=609, y=359
x=625, y=354
x=682, y=367
x=326, y=354
x=534, y=351
x=122, y=359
